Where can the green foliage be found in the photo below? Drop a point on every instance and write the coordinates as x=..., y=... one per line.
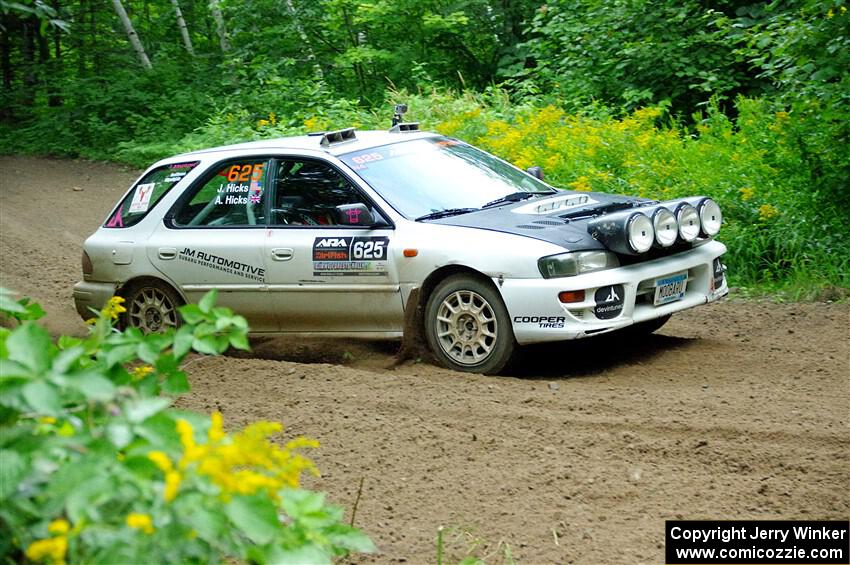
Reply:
x=98, y=467
x=631, y=53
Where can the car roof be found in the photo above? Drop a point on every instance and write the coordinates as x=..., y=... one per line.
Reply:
x=363, y=140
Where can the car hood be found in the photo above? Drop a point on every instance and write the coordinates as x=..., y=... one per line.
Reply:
x=565, y=226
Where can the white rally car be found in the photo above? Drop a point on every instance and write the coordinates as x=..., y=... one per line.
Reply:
x=340, y=233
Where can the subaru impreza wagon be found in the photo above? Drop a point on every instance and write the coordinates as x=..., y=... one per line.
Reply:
x=341, y=233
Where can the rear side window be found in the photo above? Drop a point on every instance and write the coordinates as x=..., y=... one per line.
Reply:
x=233, y=196
x=147, y=193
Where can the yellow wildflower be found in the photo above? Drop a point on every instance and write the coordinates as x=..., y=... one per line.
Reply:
x=746, y=193
x=172, y=485
x=139, y=521
x=66, y=429
x=262, y=123
x=581, y=184
x=273, y=118
x=113, y=308
x=161, y=460
x=216, y=432
x=830, y=14
x=51, y=548
x=47, y=420
x=141, y=372
x=767, y=211
x=91, y=321
x=59, y=526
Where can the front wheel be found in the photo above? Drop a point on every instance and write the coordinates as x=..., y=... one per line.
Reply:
x=151, y=307
x=468, y=327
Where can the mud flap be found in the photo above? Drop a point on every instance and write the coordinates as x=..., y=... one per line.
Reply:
x=413, y=345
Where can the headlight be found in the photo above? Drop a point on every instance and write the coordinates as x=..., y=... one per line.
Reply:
x=628, y=232
x=709, y=216
x=666, y=228
x=688, y=219
x=576, y=263
x=641, y=234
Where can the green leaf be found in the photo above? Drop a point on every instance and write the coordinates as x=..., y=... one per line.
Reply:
x=255, y=516
x=307, y=552
x=183, y=341
x=240, y=341
x=119, y=434
x=66, y=358
x=209, y=525
x=12, y=470
x=176, y=383
x=42, y=398
x=93, y=386
x=205, y=344
x=192, y=314
x=143, y=408
x=352, y=539
x=208, y=301
x=30, y=345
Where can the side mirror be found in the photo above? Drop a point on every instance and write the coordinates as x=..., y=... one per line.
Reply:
x=354, y=215
x=535, y=171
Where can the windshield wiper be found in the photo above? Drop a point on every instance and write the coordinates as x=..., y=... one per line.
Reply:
x=515, y=197
x=446, y=213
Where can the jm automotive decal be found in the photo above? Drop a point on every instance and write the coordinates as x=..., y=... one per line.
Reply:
x=350, y=256
x=222, y=264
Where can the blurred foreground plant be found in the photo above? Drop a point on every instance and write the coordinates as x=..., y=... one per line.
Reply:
x=95, y=466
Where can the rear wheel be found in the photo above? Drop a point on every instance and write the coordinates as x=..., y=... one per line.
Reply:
x=151, y=307
x=467, y=326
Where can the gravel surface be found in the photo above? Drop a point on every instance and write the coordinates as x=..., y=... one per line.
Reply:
x=738, y=410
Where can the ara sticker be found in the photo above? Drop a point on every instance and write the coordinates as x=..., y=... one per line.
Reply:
x=350, y=256
x=142, y=198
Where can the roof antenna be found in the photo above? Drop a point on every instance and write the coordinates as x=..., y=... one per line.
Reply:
x=400, y=109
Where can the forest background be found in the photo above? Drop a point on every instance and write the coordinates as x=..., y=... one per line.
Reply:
x=747, y=102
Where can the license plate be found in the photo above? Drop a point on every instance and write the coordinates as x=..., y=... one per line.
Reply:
x=670, y=289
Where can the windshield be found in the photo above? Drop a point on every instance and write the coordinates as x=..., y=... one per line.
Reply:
x=424, y=176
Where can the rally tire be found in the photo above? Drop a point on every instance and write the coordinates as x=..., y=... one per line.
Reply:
x=468, y=327
x=151, y=306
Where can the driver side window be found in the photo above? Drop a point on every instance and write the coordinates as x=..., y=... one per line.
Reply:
x=234, y=196
x=308, y=192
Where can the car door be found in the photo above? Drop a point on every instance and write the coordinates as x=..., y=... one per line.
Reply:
x=213, y=238
x=323, y=275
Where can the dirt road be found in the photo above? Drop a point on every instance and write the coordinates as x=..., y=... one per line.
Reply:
x=734, y=411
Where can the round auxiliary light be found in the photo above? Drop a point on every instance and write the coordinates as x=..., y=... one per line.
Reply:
x=688, y=218
x=710, y=217
x=640, y=233
x=666, y=228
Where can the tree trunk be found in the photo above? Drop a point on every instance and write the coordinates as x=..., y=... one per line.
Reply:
x=184, y=31
x=311, y=55
x=132, y=35
x=28, y=51
x=6, y=63
x=215, y=8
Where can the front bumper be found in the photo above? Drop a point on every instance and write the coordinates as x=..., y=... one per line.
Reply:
x=90, y=296
x=538, y=315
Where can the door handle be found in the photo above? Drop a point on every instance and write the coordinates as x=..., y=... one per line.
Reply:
x=167, y=253
x=282, y=254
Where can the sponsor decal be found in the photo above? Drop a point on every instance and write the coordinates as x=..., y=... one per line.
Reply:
x=175, y=176
x=183, y=165
x=222, y=264
x=142, y=198
x=543, y=322
x=609, y=301
x=343, y=256
x=718, y=274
